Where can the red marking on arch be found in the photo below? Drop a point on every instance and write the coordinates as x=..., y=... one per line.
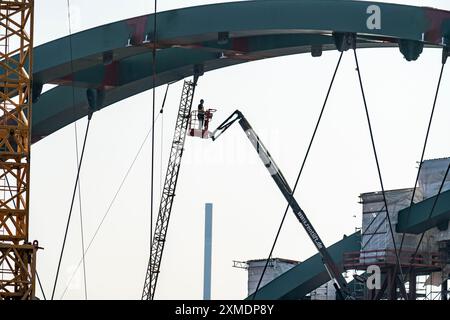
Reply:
x=240, y=44
x=111, y=77
x=138, y=26
x=436, y=19
x=66, y=80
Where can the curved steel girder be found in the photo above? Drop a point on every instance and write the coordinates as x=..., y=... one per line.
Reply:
x=196, y=29
x=135, y=67
x=55, y=108
x=241, y=19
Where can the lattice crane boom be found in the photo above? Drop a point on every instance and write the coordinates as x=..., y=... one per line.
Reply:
x=168, y=193
x=17, y=254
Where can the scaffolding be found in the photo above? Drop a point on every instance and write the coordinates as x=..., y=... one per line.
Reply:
x=377, y=248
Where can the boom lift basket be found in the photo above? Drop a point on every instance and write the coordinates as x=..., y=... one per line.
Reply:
x=195, y=129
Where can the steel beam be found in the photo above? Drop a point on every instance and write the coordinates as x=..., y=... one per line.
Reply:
x=308, y=275
x=416, y=219
x=112, y=56
x=17, y=254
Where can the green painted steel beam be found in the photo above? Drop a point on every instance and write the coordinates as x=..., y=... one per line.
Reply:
x=308, y=275
x=138, y=66
x=416, y=219
x=190, y=26
x=55, y=108
x=114, y=57
x=203, y=23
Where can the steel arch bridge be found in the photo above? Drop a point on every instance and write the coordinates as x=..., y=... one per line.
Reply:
x=116, y=58
x=114, y=62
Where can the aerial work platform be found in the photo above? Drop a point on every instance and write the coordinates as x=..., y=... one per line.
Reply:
x=416, y=219
x=308, y=275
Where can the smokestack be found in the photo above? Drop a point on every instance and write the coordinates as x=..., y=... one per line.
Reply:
x=208, y=251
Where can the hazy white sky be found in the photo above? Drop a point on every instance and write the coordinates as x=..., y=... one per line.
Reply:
x=281, y=98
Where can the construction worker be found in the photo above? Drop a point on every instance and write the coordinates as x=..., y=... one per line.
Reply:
x=201, y=114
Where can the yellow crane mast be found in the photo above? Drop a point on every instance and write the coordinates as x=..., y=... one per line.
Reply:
x=17, y=254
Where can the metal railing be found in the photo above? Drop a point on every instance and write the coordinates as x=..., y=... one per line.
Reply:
x=388, y=257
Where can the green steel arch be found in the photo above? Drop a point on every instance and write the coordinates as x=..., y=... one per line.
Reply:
x=116, y=58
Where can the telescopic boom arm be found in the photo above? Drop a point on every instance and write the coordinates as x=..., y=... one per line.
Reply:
x=339, y=282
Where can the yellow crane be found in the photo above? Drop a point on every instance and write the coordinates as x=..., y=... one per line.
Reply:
x=17, y=254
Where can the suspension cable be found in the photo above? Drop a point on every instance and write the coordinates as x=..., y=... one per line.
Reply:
x=117, y=191
x=153, y=128
x=71, y=205
x=109, y=208
x=299, y=174
x=161, y=148
x=40, y=285
x=375, y=231
x=429, y=217
x=76, y=147
x=379, y=170
x=161, y=111
x=81, y=217
x=81, y=226
x=14, y=203
x=425, y=145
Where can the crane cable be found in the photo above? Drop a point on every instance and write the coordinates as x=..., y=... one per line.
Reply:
x=379, y=171
x=161, y=146
x=153, y=129
x=76, y=150
x=299, y=174
x=81, y=218
x=116, y=193
x=79, y=162
x=161, y=112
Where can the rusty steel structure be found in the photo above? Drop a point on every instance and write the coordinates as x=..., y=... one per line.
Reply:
x=17, y=254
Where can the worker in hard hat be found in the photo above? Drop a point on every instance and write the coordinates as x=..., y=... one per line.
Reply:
x=201, y=114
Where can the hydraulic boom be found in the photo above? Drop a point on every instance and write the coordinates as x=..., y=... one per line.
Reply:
x=339, y=282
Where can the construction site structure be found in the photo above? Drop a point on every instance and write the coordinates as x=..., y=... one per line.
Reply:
x=331, y=267
x=108, y=56
x=425, y=264
x=275, y=268
x=324, y=292
x=168, y=193
x=17, y=254
x=377, y=246
x=423, y=261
